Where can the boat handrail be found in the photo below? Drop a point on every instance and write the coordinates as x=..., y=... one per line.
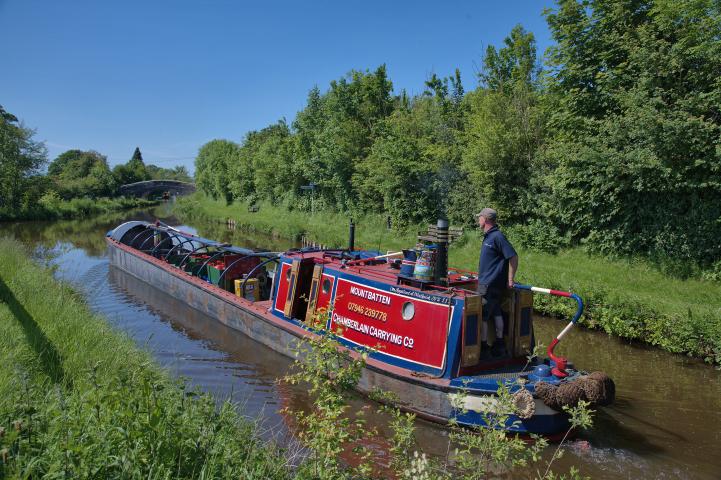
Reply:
x=560, y=369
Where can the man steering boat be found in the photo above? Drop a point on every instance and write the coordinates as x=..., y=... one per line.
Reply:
x=497, y=267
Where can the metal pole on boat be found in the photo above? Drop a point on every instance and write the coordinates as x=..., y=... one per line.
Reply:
x=351, y=236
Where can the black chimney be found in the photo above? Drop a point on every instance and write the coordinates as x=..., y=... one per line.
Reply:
x=440, y=275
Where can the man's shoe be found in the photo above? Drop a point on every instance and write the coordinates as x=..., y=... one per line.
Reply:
x=485, y=351
x=499, y=348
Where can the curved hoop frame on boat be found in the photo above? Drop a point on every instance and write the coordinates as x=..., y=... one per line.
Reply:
x=171, y=237
x=220, y=278
x=252, y=270
x=210, y=259
x=130, y=244
x=185, y=258
x=181, y=243
x=146, y=241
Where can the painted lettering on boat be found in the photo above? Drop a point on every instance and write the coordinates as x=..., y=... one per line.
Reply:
x=421, y=295
x=373, y=331
x=370, y=295
x=421, y=340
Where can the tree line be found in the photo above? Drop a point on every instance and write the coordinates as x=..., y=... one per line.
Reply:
x=25, y=186
x=610, y=141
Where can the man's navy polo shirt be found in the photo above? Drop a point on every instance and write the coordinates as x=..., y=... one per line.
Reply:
x=493, y=265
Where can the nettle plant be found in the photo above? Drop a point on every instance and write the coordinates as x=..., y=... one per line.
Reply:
x=332, y=433
x=329, y=430
x=480, y=452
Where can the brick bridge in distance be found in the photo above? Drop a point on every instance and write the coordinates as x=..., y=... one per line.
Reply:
x=158, y=187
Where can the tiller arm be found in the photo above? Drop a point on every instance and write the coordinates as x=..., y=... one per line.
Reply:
x=560, y=369
x=361, y=261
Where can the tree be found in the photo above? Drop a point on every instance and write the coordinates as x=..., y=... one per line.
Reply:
x=636, y=162
x=265, y=166
x=137, y=166
x=136, y=161
x=413, y=163
x=133, y=171
x=21, y=158
x=505, y=128
x=76, y=173
x=336, y=130
x=212, y=168
x=179, y=173
x=513, y=65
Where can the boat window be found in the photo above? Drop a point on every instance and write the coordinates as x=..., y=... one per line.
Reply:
x=287, y=274
x=326, y=285
x=408, y=310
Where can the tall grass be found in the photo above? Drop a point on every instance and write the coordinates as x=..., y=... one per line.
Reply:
x=79, y=400
x=629, y=299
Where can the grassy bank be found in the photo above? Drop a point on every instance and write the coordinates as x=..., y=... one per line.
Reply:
x=626, y=299
x=53, y=208
x=79, y=400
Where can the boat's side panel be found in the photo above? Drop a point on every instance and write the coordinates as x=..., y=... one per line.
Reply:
x=411, y=329
x=280, y=287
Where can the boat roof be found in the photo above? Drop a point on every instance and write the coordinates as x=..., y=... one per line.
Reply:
x=118, y=232
x=357, y=262
x=383, y=272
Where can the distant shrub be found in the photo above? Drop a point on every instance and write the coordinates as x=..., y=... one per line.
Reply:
x=713, y=273
x=50, y=200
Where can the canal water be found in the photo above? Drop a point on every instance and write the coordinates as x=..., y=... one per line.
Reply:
x=666, y=422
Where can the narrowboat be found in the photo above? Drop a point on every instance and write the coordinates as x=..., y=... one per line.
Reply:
x=421, y=328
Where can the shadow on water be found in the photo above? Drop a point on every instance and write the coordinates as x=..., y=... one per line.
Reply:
x=47, y=354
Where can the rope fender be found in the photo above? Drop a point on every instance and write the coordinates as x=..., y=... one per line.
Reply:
x=524, y=404
x=596, y=388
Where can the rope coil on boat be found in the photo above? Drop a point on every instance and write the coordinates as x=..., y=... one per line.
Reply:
x=596, y=388
x=524, y=403
x=570, y=393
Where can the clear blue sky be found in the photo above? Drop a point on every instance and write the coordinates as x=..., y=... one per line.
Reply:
x=168, y=76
